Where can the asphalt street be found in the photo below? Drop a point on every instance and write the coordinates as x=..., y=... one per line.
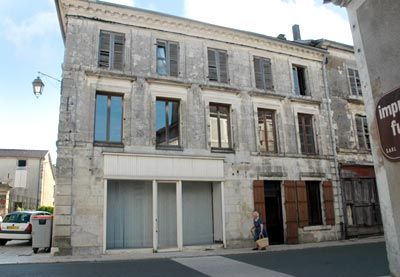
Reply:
x=351, y=260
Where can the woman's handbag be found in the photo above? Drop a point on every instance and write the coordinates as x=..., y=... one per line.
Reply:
x=262, y=243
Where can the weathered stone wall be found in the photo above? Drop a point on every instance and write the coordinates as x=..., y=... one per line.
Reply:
x=80, y=185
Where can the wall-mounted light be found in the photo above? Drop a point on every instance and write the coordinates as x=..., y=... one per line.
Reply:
x=38, y=85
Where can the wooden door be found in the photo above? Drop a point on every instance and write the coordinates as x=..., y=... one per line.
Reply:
x=291, y=212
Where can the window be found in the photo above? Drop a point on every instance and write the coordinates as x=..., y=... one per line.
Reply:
x=217, y=65
x=362, y=132
x=108, y=118
x=167, y=122
x=299, y=80
x=167, y=58
x=220, y=126
x=266, y=130
x=355, y=82
x=111, y=50
x=263, y=73
x=21, y=163
x=314, y=203
x=306, y=133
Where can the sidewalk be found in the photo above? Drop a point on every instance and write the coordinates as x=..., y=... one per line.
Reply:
x=24, y=255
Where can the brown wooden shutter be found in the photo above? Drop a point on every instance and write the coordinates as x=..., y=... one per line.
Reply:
x=327, y=189
x=173, y=59
x=257, y=73
x=302, y=203
x=212, y=65
x=291, y=212
x=104, y=50
x=118, y=58
x=268, y=74
x=259, y=198
x=223, y=67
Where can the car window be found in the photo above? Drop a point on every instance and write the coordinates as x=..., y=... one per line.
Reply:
x=17, y=218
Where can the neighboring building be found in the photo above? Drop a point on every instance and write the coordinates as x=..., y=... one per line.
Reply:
x=375, y=30
x=27, y=180
x=173, y=131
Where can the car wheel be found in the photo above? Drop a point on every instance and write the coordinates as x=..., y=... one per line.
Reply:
x=35, y=250
x=3, y=241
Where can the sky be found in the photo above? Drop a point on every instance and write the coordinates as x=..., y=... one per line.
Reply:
x=30, y=41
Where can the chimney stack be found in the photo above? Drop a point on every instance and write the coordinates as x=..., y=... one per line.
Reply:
x=296, y=32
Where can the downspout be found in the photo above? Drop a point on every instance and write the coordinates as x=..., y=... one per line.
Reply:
x=39, y=183
x=333, y=140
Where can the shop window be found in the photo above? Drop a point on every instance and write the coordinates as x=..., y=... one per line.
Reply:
x=167, y=122
x=108, y=118
x=266, y=130
x=220, y=126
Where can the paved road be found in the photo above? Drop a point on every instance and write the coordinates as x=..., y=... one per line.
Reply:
x=351, y=260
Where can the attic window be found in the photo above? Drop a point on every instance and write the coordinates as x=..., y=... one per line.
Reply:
x=21, y=163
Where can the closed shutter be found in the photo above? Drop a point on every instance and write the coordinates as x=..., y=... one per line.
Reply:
x=104, y=50
x=223, y=67
x=258, y=74
x=352, y=79
x=118, y=58
x=291, y=212
x=360, y=132
x=327, y=189
x=259, y=198
x=268, y=74
x=302, y=203
x=212, y=65
x=173, y=59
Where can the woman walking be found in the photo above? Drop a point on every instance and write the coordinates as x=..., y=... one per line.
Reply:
x=259, y=230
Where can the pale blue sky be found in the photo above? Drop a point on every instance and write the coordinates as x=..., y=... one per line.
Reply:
x=30, y=41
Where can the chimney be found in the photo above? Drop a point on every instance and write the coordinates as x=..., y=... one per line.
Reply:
x=296, y=32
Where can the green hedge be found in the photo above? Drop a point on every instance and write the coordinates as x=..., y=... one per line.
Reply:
x=46, y=209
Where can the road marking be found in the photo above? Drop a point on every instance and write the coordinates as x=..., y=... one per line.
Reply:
x=217, y=266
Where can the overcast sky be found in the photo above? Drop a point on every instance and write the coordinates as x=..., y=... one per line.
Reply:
x=30, y=41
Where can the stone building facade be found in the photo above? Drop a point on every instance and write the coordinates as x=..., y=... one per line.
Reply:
x=26, y=180
x=173, y=131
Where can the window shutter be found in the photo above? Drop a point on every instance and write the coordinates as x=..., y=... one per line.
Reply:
x=259, y=198
x=352, y=79
x=302, y=203
x=268, y=74
x=291, y=212
x=104, y=50
x=223, y=67
x=358, y=83
x=212, y=65
x=173, y=59
x=301, y=133
x=119, y=42
x=327, y=189
x=360, y=132
x=257, y=73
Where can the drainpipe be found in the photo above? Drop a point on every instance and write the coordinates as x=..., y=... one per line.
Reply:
x=39, y=183
x=333, y=140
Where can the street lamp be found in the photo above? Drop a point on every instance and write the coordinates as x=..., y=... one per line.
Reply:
x=38, y=85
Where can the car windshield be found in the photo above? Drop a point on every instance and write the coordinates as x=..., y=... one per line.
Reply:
x=17, y=218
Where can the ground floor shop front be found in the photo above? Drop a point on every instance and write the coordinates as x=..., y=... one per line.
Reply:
x=182, y=206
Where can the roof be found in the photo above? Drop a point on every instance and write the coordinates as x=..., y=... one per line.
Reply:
x=179, y=18
x=23, y=153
